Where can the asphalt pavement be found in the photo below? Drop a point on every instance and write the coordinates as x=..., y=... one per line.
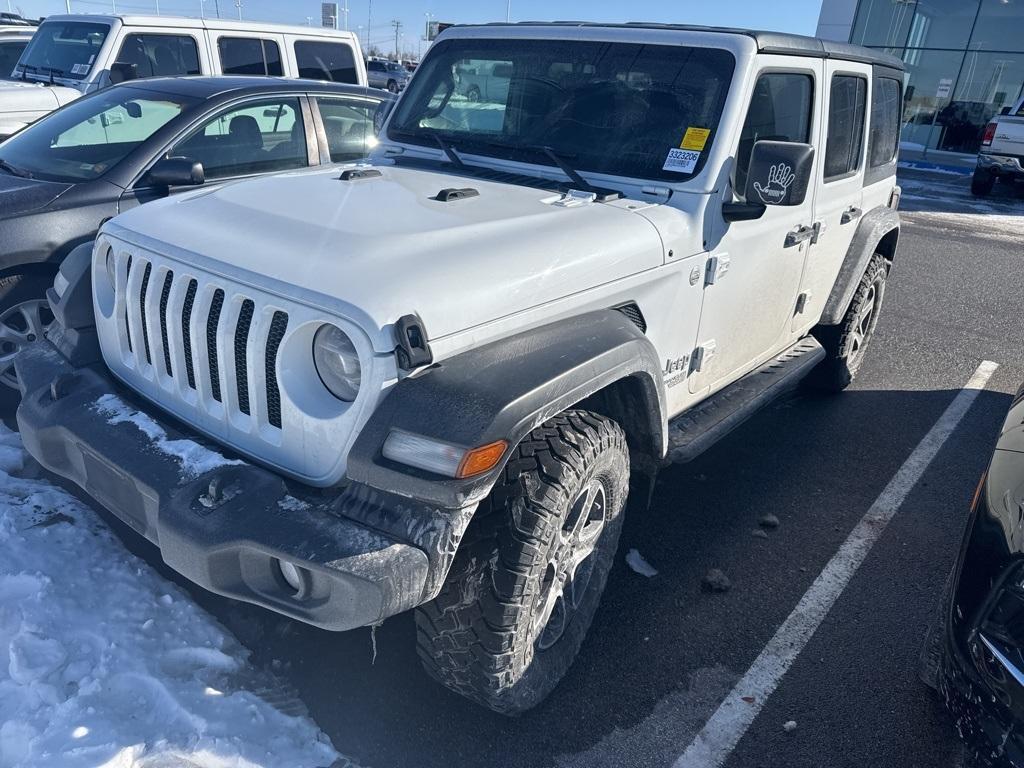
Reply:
x=662, y=655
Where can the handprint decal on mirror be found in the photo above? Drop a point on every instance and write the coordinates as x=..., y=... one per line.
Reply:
x=780, y=177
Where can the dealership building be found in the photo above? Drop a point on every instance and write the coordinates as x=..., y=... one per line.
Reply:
x=964, y=59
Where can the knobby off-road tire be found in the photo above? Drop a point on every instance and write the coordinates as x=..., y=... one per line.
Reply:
x=845, y=343
x=485, y=636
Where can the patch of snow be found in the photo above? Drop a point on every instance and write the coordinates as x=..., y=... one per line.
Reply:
x=291, y=504
x=636, y=561
x=104, y=663
x=194, y=458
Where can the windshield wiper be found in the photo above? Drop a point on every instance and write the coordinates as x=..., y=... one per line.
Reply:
x=14, y=170
x=449, y=150
x=53, y=72
x=560, y=160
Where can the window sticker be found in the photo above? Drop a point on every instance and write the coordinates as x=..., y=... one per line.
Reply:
x=79, y=69
x=681, y=161
x=695, y=138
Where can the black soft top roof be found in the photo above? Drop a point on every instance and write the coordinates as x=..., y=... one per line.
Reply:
x=767, y=42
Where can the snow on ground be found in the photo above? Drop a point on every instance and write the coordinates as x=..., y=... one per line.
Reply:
x=104, y=664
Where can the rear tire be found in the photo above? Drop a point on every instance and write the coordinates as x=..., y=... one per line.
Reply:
x=982, y=183
x=845, y=343
x=473, y=94
x=392, y=86
x=528, y=576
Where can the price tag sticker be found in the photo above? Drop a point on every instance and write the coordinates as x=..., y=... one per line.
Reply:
x=695, y=138
x=681, y=161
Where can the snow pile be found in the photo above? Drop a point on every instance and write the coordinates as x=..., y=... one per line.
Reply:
x=195, y=460
x=105, y=664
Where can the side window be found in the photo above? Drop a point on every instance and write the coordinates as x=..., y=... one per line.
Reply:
x=249, y=56
x=254, y=138
x=160, y=55
x=10, y=52
x=847, y=103
x=349, y=127
x=884, y=137
x=325, y=61
x=780, y=110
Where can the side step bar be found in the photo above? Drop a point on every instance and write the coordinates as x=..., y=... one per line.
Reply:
x=693, y=432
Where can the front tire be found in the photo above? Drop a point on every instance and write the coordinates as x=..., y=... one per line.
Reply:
x=392, y=86
x=526, y=581
x=24, y=317
x=845, y=343
x=982, y=183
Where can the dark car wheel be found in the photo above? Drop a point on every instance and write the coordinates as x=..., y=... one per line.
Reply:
x=845, y=343
x=473, y=94
x=525, y=584
x=392, y=86
x=982, y=183
x=24, y=317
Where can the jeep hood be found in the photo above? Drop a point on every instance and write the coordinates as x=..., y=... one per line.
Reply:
x=375, y=249
x=30, y=96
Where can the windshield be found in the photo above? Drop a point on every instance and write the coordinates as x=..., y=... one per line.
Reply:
x=64, y=49
x=624, y=109
x=90, y=136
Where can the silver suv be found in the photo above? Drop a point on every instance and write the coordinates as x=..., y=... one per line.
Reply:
x=387, y=74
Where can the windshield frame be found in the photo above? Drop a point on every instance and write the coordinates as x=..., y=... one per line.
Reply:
x=39, y=72
x=76, y=114
x=405, y=125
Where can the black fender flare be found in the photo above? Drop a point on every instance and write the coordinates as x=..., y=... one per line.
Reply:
x=878, y=224
x=505, y=389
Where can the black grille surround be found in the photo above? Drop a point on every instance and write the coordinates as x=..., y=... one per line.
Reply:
x=186, y=328
x=278, y=326
x=216, y=305
x=241, y=340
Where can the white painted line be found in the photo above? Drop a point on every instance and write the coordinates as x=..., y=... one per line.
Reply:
x=722, y=732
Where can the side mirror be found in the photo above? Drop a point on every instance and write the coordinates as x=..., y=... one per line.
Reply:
x=780, y=172
x=176, y=172
x=1005, y=111
x=122, y=71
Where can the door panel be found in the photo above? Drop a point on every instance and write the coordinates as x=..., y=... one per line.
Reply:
x=748, y=307
x=838, y=185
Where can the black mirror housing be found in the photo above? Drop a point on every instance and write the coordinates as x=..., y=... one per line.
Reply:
x=122, y=71
x=176, y=172
x=780, y=173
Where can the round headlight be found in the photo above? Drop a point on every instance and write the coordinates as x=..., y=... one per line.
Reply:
x=111, y=265
x=337, y=362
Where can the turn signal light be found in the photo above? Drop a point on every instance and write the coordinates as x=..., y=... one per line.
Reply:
x=989, y=134
x=482, y=459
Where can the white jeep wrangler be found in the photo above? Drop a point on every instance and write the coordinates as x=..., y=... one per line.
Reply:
x=431, y=380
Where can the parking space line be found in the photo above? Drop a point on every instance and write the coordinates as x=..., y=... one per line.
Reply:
x=722, y=732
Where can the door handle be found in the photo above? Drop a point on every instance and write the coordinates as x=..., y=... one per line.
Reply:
x=850, y=214
x=799, y=235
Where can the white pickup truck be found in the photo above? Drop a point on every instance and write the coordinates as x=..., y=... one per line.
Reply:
x=1002, y=150
x=71, y=55
x=429, y=382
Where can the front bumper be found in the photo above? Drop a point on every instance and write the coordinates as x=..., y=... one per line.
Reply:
x=363, y=554
x=1001, y=165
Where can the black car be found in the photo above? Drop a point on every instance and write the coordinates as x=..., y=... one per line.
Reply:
x=63, y=176
x=975, y=656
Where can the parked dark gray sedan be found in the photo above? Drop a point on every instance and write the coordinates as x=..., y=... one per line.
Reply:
x=63, y=176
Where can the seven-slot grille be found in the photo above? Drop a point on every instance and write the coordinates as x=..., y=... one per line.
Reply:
x=206, y=333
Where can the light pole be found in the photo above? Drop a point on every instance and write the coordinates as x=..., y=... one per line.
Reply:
x=508, y=11
x=238, y=7
x=369, y=24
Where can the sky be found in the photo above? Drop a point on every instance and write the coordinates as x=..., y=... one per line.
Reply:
x=783, y=15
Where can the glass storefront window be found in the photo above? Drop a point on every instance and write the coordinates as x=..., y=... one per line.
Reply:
x=988, y=82
x=883, y=22
x=999, y=26
x=931, y=76
x=942, y=23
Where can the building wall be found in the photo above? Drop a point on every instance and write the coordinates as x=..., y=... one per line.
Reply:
x=964, y=58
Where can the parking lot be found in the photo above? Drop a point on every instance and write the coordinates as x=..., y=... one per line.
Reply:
x=662, y=654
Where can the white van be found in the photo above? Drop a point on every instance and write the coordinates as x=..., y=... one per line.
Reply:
x=74, y=54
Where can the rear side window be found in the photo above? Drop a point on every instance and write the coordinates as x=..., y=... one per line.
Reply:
x=160, y=55
x=885, y=122
x=319, y=60
x=847, y=103
x=10, y=52
x=249, y=56
x=780, y=110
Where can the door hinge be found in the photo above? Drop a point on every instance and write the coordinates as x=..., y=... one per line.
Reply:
x=701, y=358
x=717, y=268
x=801, y=302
